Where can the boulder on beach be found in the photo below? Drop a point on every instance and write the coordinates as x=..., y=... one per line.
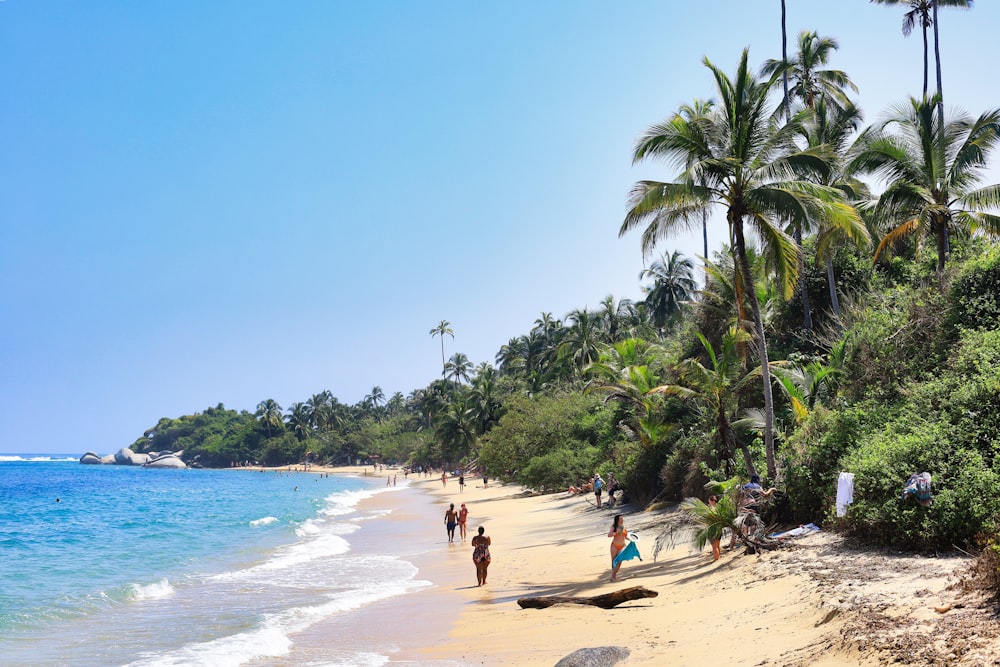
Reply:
x=600, y=656
x=168, y=461
x=90, y=458
x=126, y=457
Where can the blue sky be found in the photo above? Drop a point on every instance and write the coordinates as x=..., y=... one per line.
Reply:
x=222, y=202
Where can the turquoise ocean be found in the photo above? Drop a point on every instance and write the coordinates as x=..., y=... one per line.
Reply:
x=116, y=565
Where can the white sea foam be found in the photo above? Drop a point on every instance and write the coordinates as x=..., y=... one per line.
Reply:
x=267, y=520
x=273, y=637
x=154, y=591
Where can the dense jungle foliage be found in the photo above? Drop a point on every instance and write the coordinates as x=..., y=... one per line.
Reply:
x=855, y=326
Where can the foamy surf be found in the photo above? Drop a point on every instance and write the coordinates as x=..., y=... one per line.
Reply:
x=155, y=591
x=265, y=521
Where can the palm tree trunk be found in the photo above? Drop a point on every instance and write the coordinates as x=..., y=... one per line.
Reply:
x=832, y=282
x=925, y=59
x=736, y=224
x=784, y=59
x=801, y=288
x=944, y=248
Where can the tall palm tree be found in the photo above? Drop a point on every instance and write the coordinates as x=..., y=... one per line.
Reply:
x=750, y=165
x=932, y=173
x=673, y=286
x=269, y=414
x=835, y=127
x=582, y=339
x=810, y=83
x=443, y=329
x=926, y=13
x=299, y=419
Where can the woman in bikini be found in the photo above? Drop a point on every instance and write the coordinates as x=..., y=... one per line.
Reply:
x=463, y=517
x=618, y=536
x=481, y=555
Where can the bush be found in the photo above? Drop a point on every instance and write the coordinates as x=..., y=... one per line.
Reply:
x=558, y=469
x=974, y=292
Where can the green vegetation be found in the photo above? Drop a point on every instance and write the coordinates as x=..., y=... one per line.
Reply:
x=823, y=338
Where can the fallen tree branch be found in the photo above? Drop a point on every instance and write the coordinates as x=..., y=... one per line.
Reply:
x=605, y=601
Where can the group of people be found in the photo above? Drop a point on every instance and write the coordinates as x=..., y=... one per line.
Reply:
x=480, y=543
x=597, y=485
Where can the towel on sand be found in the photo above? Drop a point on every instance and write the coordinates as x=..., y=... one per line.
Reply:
x=628, y=553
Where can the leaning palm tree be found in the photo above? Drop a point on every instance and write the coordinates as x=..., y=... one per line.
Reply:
x=443, y=329
x=932, y=173
x=751, y=166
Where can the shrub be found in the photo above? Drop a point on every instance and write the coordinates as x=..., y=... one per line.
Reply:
x=556, y=470
x=974, y=292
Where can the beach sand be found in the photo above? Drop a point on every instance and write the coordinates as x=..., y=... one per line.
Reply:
x=817, y=601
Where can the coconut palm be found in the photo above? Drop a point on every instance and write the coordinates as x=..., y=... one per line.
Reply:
x=835, y=127
x=932, y=173
x=458, y=368
x=456, y=428
x=673, y=286
x=925, y=13
x=716, y=388
x=269, y=414
x=443, y=329
x=581, y=341
x=299, y=419
x=809, y=81
x=751, y=166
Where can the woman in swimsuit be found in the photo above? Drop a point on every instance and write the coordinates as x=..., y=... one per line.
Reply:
x=463, y=516
x=618, y=535
x=481, y=555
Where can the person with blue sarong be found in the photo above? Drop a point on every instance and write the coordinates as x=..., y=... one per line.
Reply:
x=621, y=548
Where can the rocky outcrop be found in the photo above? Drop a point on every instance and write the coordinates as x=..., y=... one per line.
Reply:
x=601, y=656
x=126, y=457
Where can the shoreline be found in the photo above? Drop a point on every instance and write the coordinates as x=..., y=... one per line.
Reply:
x=818, y=601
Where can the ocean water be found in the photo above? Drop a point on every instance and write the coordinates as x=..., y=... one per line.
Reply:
x=115, y=565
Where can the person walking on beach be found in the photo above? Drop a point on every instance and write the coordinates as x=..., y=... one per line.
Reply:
x=713, y=502
x=463, y=517
x=461, y=486
x=598, y=487
x=481, y=555
x=450, y=519
x=618, y=536
x=444, y=479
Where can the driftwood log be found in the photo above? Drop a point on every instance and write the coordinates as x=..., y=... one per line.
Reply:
x=605, y=601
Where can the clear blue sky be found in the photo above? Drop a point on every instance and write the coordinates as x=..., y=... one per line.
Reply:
x=222, y=202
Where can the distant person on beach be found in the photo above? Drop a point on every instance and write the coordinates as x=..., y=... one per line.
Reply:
x=481, y=555
x=461, y=485
x=444, y=479
x=618, y=536
x=598, y=487
x=463, y=517
x=450, y=519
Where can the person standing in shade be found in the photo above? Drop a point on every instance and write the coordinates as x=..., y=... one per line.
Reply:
x=481, y=555
x=463, y=517
x=450, y=519
x=598, y=487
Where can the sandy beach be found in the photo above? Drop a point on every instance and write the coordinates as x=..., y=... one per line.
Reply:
x=817, y=601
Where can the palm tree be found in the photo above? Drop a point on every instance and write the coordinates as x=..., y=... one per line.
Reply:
x=614, y=314
x=443, y=329
x=673, y=286
x=809, y=82
x=932, y=172
x=834, y=127
x=810, y=85
x=458, y=368
x=269, y=414
x=456, y=428
x=299, y=418
x=581, y=341
x=749, y=165
x=716, y=388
